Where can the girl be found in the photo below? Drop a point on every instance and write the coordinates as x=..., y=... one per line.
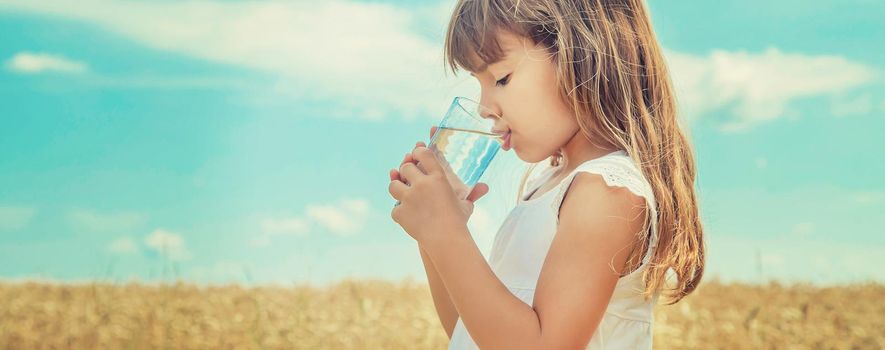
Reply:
x=582, y=259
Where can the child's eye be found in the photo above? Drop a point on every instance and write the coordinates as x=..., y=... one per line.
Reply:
x=503, y=80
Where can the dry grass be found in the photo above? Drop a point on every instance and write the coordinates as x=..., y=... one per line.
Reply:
x=383, y=315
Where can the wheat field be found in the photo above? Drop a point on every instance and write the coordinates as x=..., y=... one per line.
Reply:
x=367, y=314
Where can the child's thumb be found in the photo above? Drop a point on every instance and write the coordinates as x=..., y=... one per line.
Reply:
x=478, y=191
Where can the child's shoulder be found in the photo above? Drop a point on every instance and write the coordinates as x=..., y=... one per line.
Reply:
x=601, y=220
x=592, y=193
x=618, y=172
x=612, y=183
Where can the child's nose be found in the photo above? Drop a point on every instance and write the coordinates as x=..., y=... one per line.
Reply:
x=489, y=114
x=484, y=110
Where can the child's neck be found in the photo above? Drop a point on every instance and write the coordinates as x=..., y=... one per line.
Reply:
x=579, y=150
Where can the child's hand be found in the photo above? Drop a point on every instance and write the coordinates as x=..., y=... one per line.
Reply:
x=481, y=189
x=426, y=198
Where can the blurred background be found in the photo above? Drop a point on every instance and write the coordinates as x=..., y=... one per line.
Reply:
x=247, y=144
x=250, y=142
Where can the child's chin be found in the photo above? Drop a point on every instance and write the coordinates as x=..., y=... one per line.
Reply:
x=528, y=158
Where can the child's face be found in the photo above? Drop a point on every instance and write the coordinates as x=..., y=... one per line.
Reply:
x=527, y=101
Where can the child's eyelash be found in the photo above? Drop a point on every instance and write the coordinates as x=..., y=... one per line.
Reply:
x=503, y=80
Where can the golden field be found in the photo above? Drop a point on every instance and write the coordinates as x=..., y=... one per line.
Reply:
x=384, y=315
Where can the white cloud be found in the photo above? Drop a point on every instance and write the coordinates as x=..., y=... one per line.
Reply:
x=869, y=197
x=15, y=217
x=123, y=246
x=401, y=259
x=759, y=86
x=842, y=107
x=761, y=163
x=168, y=243
x=344, y=218
x=222, y=271
x=775, y=260
x=91, y=220
x=801, y=225
x=387, y=59
x=787, y=258
x=295, y=226
x=368, y=57
x=803, y=229
x=32, y=63
x=286, y=226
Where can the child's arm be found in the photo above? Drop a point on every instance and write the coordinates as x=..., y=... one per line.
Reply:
x=597, y=226
x=448, y=316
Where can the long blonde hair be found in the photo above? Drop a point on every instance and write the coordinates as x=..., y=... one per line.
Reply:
x=610, y=70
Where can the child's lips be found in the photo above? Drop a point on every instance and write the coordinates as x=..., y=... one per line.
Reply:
x=506, y=138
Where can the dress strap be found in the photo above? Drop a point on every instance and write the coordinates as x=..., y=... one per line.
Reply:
x=618, y=170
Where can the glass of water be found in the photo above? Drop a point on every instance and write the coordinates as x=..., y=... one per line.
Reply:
x=465, y=142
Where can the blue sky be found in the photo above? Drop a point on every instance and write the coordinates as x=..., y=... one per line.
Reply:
x=250, y=142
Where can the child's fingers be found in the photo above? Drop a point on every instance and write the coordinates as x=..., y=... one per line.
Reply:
x=432, y=130
x=408, y=158
x=481, y=189
x=396, y=188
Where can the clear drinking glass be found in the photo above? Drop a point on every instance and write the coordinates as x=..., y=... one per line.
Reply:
x=465, y=142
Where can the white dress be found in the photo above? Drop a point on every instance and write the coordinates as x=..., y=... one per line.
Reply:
x=521, y=244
